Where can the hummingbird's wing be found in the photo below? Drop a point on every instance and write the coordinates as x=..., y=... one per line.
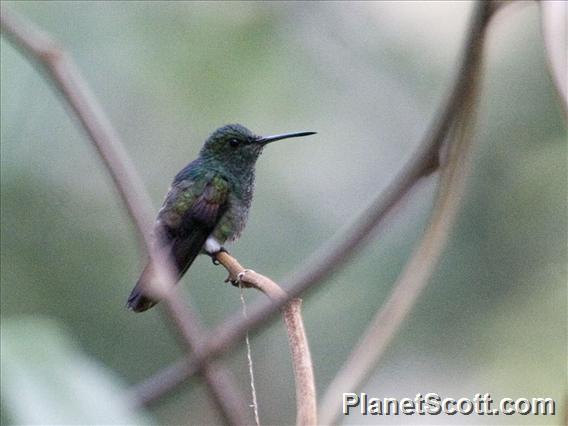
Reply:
x=189, y=214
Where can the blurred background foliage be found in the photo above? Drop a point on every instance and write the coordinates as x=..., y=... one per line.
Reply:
x=369, y=77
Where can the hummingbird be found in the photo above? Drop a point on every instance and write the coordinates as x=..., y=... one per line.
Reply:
x=207, y=204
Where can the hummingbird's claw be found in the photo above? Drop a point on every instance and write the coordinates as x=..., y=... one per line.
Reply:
x=214, y=255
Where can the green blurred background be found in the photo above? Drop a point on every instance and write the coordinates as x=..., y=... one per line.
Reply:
x=369, y=77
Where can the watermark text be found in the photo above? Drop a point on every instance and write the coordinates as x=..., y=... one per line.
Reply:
x=432, y=404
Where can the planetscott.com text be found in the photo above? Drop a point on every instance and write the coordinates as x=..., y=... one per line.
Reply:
x=433, y=404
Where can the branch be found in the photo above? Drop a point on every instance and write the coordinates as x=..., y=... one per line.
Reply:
x=554, y=18
x=334, y=255
x=61, y=69
x=156, y=386
x=420, y=267
x=301, y=358
x=250, y=278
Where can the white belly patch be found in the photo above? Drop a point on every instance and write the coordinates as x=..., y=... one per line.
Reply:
x=212, y=246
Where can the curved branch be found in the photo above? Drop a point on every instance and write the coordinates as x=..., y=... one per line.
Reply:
x=337, y=253
x=40, y=47
x=420, y=267
x=554, y=21
x=291, y=312
x=250, y=278
x=62, y=70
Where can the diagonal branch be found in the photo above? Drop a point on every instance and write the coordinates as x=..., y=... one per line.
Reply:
x=420, y=267
x=334, y=255
x=61, y=69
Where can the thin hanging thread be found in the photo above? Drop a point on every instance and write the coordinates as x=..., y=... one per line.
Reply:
x=254, y=404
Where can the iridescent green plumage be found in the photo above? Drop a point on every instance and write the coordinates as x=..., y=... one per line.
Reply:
x=207, y=204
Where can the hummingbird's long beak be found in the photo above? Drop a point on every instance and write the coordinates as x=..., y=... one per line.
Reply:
x=267, y=139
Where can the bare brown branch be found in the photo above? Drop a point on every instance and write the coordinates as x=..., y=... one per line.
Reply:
x=420, y=267
x=554, y=16
x=303, y=369
x=64, y=73
x=300, y=351
x=250, y=278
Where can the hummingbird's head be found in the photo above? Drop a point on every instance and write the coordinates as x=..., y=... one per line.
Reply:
x=231, y=142
x=235, y=144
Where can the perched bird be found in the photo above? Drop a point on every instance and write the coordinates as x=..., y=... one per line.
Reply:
x=207, y=204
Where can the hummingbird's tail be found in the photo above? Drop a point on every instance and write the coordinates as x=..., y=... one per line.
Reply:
x=183, y=252
x=139, y=301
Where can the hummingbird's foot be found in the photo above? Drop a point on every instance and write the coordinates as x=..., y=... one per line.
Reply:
x=214, y=255
x=237, y=282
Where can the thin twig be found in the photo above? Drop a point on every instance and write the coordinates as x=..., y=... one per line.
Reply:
x=420, y=267
x=300, y=351
x=249, y=360
x=62, y=70
x=341, y=249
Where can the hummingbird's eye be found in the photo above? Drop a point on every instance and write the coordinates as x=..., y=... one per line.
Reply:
x=234, y=142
